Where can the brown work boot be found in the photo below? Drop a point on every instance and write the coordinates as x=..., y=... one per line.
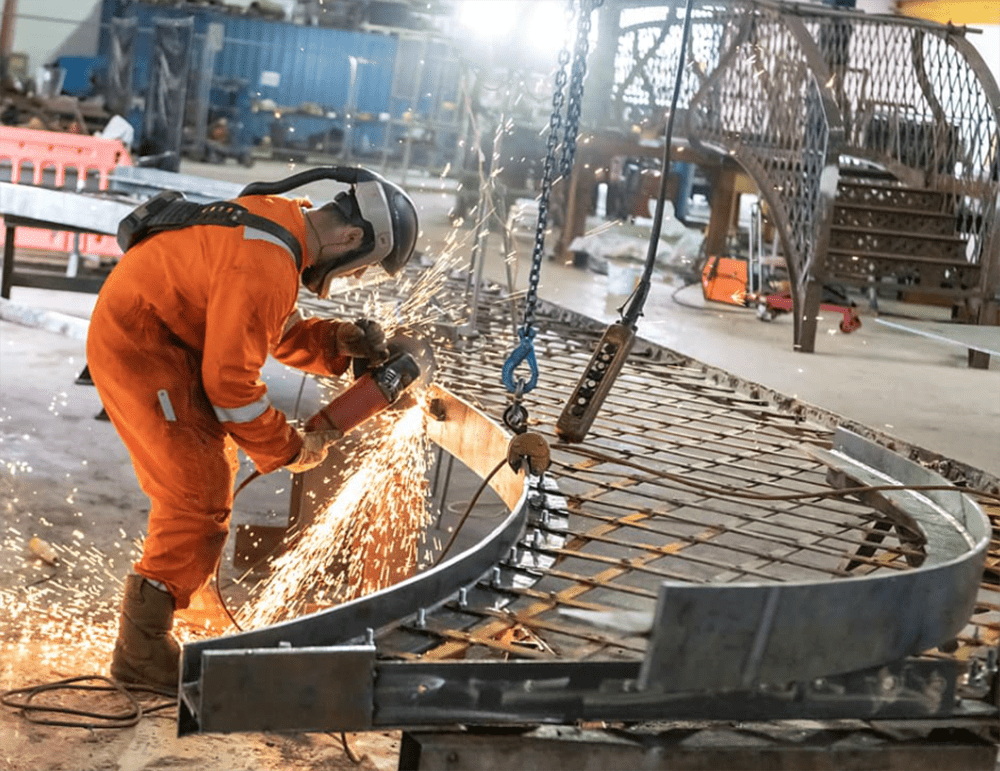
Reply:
x=145, y=651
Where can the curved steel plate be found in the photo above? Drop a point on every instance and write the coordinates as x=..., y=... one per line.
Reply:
x=738, y=636
x=464, y=432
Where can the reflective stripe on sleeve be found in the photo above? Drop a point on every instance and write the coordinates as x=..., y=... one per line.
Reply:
x=166, y=405
x=243, y=414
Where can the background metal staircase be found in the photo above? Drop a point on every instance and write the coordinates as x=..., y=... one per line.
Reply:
x=872, y=139
x=890, y=237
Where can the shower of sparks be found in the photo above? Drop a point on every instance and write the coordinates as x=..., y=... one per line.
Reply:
x=55, y=612
x=61, y=618
x=370, y=534
x=367, y=538
x=423, y=300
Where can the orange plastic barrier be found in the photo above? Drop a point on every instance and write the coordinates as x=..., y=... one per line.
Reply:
x=64, y=162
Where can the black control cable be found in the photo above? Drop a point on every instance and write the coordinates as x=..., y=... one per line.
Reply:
x=637, y=300
x=613, y=348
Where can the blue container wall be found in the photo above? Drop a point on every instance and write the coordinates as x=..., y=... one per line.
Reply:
x=312, y=63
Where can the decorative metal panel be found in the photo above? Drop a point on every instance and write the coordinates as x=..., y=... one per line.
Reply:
x=793, y=91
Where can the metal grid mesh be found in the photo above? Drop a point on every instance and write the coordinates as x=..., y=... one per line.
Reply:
x=647, y=55
x=618, y=527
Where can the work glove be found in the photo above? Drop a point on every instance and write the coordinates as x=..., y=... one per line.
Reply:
x=313, y=452
x=364, y=339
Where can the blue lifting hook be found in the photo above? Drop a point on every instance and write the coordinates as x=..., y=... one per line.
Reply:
x=524, y=352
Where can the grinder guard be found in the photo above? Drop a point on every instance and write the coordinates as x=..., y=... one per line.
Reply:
x=372, y=392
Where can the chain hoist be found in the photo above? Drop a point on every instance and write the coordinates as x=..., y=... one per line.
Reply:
x=516, y=416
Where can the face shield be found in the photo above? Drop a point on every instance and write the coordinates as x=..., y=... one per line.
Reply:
x=388, y=217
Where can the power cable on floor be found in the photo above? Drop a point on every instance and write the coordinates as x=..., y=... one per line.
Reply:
x=127, y=718
x=135, y=711
x=692, y=306
x=349, y=751
x=710, y=309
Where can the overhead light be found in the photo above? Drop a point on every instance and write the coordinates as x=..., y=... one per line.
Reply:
x=536, y=25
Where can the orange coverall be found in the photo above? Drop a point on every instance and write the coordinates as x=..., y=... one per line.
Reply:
x=178, y=337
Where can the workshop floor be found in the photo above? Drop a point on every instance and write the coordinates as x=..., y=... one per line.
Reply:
x=66, y=477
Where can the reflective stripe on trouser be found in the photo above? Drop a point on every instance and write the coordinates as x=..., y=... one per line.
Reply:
x=187, y=465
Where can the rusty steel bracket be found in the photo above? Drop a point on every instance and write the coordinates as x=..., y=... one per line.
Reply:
x=529, y=449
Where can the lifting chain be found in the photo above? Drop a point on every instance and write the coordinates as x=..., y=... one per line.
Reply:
x=516, y=416
x=574, y=105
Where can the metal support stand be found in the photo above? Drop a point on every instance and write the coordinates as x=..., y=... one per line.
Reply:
x=8, y=261
x=351, y=108
x=214, y=38
x=73, y=265
x=756, y=250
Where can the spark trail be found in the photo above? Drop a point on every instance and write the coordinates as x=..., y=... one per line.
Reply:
x=366, y=538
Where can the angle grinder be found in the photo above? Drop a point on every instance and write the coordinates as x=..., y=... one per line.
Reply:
x=376, y=388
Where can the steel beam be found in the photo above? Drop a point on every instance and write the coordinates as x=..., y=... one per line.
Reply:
x=688, y=747
x=566, y=693
x=58, y=209
x=264, y=690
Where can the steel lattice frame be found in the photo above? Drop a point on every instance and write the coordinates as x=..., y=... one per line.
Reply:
x=598, y=537
x=791, y=91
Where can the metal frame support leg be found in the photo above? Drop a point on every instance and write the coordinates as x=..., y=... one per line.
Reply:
x=8, y=262
x=805, y=328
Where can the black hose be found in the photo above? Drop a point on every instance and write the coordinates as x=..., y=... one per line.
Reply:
x=126, y=719
x=349, y=175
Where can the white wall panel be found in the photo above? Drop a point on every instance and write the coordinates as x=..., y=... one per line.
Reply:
x=48, y=29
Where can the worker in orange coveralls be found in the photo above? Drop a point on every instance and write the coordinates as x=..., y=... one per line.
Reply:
x=178, y=337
